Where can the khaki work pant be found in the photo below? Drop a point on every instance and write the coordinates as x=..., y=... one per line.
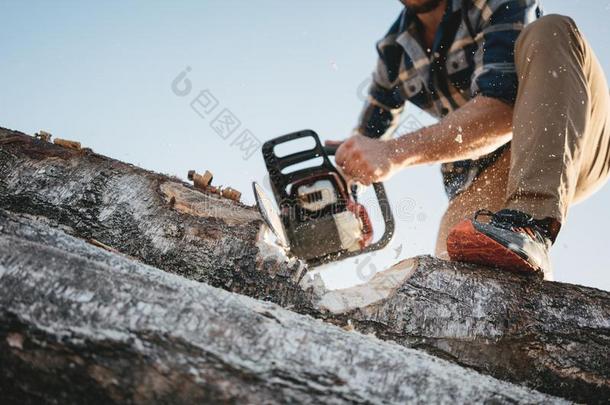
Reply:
x=560, y=149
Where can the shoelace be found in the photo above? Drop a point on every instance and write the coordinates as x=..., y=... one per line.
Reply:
x=514, y=221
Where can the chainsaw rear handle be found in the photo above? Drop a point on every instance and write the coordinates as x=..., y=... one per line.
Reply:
x=276, y=164
x=386, y=212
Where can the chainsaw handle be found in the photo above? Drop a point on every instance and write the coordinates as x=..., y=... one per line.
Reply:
x=388, y=219
x=384, y=205
x=276, y=164
x=331, y=150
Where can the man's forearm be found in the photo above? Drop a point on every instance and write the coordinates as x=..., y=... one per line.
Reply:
x=477, y=128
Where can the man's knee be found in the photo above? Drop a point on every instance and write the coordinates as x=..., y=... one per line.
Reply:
x=548, y=33
x=549, y=26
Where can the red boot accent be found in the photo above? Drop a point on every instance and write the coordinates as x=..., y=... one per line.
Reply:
x=466, y=244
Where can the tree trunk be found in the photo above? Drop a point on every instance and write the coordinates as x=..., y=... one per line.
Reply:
x=82, y=325
x=551, y=336
x=158, y=219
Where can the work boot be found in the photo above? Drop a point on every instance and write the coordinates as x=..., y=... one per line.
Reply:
x=510, y=240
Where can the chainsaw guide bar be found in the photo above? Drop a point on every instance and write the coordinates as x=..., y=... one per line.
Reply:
x=270, y=216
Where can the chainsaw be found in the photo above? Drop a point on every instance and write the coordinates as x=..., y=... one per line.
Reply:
x=320, y=219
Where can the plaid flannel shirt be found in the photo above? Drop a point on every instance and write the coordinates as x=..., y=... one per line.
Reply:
x=473, y=53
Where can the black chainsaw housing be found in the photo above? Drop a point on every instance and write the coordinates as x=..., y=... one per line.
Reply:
x=312, y=234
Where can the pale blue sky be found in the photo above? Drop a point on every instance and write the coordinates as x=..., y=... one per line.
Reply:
x=101, y=73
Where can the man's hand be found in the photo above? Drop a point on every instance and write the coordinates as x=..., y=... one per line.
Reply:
x=364, y=160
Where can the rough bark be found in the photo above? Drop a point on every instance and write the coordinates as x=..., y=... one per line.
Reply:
x=550, y=336
x=156, y=218
x=82, y=325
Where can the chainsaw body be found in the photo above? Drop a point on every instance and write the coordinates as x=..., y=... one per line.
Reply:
x=320, y=219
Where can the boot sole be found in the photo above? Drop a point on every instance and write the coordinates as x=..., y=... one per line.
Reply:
x=466, y=244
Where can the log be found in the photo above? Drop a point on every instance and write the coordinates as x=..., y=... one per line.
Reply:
x=79, y=324
x=158, y=219
x=550, y=336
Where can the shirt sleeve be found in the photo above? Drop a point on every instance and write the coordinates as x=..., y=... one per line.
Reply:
x=381, y=113
x=501, y=23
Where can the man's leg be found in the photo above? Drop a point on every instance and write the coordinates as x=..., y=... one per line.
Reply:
x=561, y=127
x=560, y=149
x=487, y=191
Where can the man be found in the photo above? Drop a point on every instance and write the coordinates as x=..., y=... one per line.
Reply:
x=524, y=129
